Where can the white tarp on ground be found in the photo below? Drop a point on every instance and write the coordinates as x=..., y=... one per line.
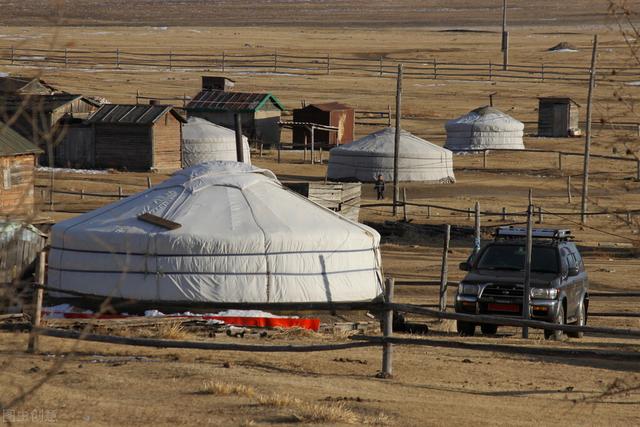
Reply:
x=243, y=238
x=203, y=141
x=484, y=127
x=366, y=158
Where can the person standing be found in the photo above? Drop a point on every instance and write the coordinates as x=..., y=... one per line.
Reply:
x=379, y=186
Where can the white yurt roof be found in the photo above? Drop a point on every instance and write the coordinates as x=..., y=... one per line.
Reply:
x=368, y=157
x=203, y=141
x=243, y=237
x=484, y=127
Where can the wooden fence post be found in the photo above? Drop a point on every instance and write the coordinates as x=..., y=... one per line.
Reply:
x=118, y=58
x=428, y=211
x=381, y=66
x=490, y=70
x=223, y=57
x=638, y=170
x=484, y=159
x=540, y=215
x=542, y=71
x=275, y=61
x=13, y=53
x=404, y=203
x=435, y=68
x=504, y=213
x=444, y=269
x=476, y=228
x=51, y=185
x=137, y=96
x=569, y=189
x=82, y=194
x=468, y=213
x=559, y=161
x=119, y=192
x=387, y=331
x=148, y=182
x=66, y=58
x=170, y=60
x=328, y=64
x=38, y=295
x=388, y=115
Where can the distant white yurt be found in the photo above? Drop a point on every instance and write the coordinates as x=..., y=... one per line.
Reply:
x=203, y=141
x=366, y=158
x=231, y=233
x=484, y=127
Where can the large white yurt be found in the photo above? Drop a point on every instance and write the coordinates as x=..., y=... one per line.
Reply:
x=229, y=232
x=366, y=158
x=203, y=141
x=484, y=127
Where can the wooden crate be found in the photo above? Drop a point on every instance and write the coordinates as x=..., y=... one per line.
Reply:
x=343, y=198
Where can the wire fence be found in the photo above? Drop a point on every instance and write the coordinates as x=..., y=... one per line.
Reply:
x=298, y=64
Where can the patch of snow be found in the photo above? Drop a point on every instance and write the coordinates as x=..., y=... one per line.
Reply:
x=563, y=50
x=636, y=83
x=58, y=311
x=65, y=170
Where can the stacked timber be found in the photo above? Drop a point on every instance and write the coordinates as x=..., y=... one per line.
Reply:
x=343, y=198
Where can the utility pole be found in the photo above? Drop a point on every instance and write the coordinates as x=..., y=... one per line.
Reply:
x=527, y=267
x=239, y=147
x=505, y=36
x=587, y=133
x=396, y=146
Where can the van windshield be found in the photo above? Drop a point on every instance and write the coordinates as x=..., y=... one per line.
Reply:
x=544, y=259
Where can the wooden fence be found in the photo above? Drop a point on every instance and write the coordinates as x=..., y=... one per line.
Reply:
x=309, y=64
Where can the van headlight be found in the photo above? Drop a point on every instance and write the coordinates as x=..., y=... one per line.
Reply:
x=544, y=293
x=467, y=289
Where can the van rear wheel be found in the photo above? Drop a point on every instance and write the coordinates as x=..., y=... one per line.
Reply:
x=465, y=329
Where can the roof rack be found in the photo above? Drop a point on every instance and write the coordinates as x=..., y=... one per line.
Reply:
x=511, y=232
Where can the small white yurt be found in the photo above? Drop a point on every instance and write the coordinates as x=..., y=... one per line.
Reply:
x=366, y=158
x=203, y=141
x=484, y=127
x=216, y=232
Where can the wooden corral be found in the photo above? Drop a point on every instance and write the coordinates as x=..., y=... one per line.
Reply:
x=17, y=163
x=341, y=197
x=558, y=117
x=39, y=118
x=128, y=137
x=333, y=114
x=260, y=112
x=19, y=247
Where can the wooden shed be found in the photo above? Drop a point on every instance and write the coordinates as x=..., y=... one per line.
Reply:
x=22, y=85
x=17, y=171
x=136, y=137
x=260, y=112
x=19, y=247
x=558, y=117
x=40, y=118
x=333, y=114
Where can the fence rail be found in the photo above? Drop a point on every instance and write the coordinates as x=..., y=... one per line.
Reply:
x=299, y=64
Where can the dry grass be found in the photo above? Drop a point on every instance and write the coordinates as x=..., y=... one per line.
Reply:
x=226, y=389
x=309, y=412
x=165, y=330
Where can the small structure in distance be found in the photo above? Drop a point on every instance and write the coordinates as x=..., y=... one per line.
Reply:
x=333, y=114
x=558, y=117
x=483, y=128
x=203, y=141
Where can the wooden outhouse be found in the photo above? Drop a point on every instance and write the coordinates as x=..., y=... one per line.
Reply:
x=558, y=117
x=332, y=114
x=136, y=137
x=17, y=174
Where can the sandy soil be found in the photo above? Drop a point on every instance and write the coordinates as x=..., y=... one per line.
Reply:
x=435, y=385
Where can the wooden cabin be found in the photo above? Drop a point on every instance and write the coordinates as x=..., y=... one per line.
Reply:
x=332, y=114
x=17, y=172
x=558, y=117
x=39, y=118
x=260, y=112
x=134, y=138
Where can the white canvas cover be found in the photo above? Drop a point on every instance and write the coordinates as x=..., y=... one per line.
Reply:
x=203, y=141
x=366, y=158
x=243, y=238
x=484, y=127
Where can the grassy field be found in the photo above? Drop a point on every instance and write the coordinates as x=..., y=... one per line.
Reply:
x=434, y=385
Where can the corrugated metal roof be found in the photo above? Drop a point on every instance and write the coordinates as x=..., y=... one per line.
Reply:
x=40, y=102
x=330, y=106
x=12, y=143
x=132, y=114
x=218, y=100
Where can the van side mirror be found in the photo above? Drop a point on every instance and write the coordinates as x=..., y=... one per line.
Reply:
x=573, y=271
x=465, y=266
